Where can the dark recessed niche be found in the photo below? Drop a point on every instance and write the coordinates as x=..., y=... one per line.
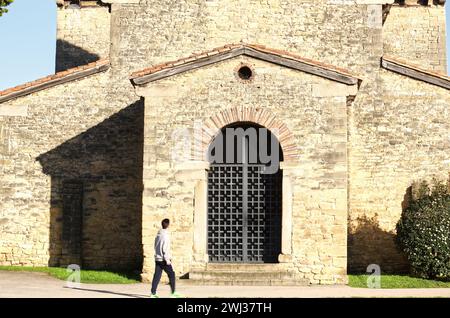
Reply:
x=245, y=73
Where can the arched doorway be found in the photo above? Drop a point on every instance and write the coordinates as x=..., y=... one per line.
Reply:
x=244, y=195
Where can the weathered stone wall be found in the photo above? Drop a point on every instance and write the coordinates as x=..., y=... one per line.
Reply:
x=155, y=32
x=83, y=35
x=71, y=132
x=403, y=139
x=345, y=35
x=314, y=109
x=92, y=129
x=417, y=33
x=145, y=34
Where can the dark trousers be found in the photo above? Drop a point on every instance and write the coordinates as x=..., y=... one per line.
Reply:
x=159, y=268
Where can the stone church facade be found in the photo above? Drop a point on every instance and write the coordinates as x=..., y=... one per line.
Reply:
x=354, y=92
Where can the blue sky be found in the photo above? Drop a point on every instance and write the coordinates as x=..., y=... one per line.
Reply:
x=28, y=41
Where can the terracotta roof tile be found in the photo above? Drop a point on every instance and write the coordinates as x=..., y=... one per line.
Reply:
x=415, y=67
x=296, y=57
x=190, y=58
x=54, y=77
x=230, y=47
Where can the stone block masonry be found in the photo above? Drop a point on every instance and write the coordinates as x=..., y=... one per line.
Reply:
x=70, y=134
x=403, y=139
x=318, y=124
x=98, y=147
x=83, y=35
x=417, y=33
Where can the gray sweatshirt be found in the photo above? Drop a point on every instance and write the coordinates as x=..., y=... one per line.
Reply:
x=162, y=246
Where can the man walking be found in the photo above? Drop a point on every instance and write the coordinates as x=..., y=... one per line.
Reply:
x=163, y=261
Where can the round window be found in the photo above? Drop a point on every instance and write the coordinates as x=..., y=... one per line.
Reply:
x=245, y=72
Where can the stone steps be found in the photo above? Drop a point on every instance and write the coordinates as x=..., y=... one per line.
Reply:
x=232, y=267
x=245, y=274
x=244, y=283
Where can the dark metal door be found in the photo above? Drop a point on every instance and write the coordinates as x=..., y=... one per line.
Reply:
x=244, y=214
x=72, y=221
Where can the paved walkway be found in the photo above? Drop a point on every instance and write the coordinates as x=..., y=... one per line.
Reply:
x=26, y=284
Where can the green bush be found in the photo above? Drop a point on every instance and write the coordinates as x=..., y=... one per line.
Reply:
x=423, y=231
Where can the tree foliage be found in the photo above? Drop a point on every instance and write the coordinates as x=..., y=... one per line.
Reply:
x=423, y=231
x=3, y=5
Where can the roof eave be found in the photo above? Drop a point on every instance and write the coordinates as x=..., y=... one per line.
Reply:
x=415, y=72
x=32, y=88
x=252, y=51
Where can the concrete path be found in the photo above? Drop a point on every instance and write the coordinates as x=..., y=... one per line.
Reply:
x=26, y=284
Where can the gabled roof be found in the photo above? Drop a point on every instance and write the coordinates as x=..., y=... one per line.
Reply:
x=229, y=51
x=414, y=71
x=55, y=79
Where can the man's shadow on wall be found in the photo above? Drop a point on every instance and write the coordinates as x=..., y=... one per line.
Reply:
x=107, y=161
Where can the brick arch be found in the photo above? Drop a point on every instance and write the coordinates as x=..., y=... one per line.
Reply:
x=213, y=125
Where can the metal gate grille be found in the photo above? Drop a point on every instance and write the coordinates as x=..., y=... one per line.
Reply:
x=244, y=214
